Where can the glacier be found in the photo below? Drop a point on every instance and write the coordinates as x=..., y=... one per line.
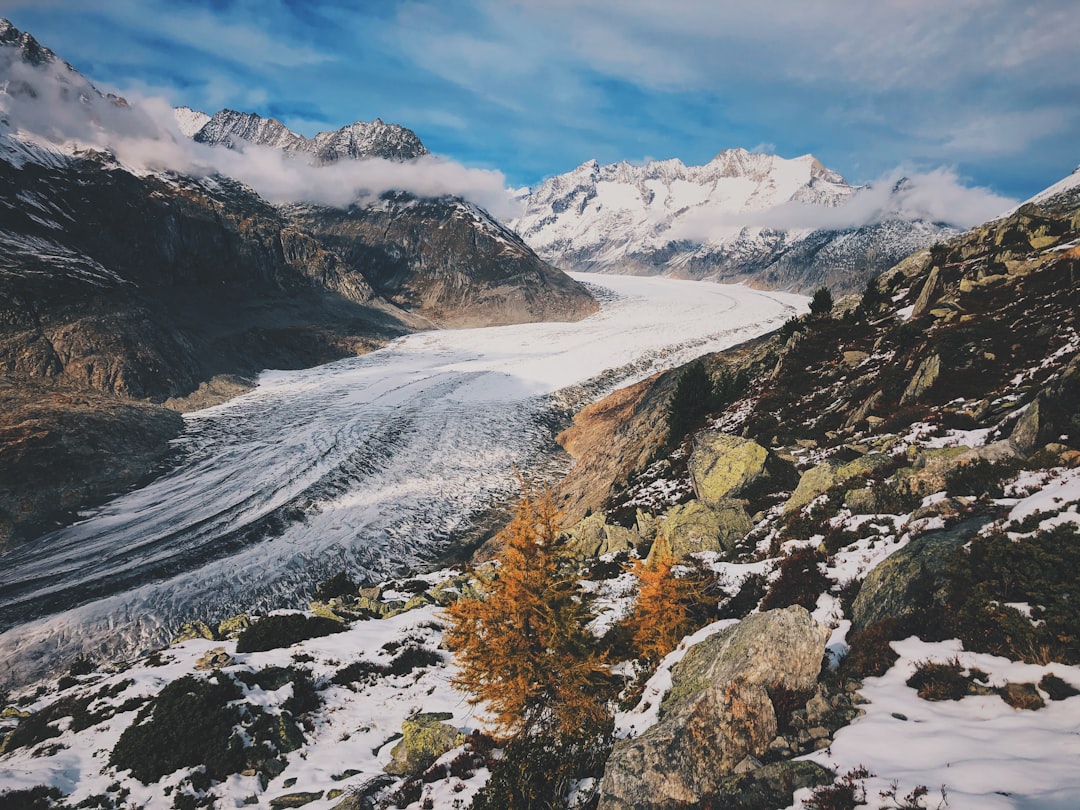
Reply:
x=379, y=465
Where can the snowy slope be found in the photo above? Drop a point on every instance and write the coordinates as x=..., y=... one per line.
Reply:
x=190, y=121
x=734, y=218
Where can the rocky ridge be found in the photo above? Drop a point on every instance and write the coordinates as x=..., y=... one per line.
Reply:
x=357, y=141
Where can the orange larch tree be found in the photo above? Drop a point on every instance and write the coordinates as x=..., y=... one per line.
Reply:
x=521, y=643
x=661, y=616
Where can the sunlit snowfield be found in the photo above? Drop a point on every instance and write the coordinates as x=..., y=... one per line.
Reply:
x=375, y=464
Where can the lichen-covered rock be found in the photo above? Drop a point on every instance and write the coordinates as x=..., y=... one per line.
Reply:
x=722, y=465
x=695, y=526
x=930, y=290
x=593, y=536
x=233, y=626
x=820, y=479
x=1054, y=415
x=425, y=739
x=298, y=799
x=717, y=713
x=196, y=629
x=910, y=580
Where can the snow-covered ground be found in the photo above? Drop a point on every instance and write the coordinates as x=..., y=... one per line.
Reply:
x=375, y=464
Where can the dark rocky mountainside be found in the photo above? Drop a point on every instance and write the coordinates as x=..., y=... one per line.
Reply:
x=150, y=290
x=446, y=260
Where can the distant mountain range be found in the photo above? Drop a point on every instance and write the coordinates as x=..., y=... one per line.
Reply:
x=742, y=217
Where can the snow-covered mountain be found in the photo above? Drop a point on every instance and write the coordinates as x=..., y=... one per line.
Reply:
x=742, y=216
x=356, y=141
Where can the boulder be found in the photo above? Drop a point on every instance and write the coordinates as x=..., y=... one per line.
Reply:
x=214, y=659
x=717, y=713
x=928, y=295
x=724, y=467
x=425, y=738
x=1054, y=415
x=196, y=629
x=820, y=479
x=593, y=537
x=296, y=799
x=695, y=526
x=911, y=580
x=233, y=626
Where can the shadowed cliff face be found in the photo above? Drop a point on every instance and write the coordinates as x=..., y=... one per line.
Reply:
x=448, y=261
x=146, y=287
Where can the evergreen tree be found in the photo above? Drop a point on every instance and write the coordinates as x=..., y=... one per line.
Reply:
x=822, y=302
x=691, y=401
x=521, y=644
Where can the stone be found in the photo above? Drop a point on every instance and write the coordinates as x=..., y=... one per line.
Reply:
x=717, y=713
x=196, y=629
x=1053, y=416
x=911, y=579
x=214, y=659
x=233, y=626
x=928, y=294
x=425, y=738
x=695, y=526
x=298, y=799
x=724, y=467
x=923, y=380
x=821, y=478
x=593, y=537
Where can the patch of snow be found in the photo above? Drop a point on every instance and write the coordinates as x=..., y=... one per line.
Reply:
x=988, y=755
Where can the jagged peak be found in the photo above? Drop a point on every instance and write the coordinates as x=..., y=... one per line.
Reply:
x=356, y=141
x=32, y=51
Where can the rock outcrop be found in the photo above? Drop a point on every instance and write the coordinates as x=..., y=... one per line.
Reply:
x=425, y=737
x=724, y=466
x=717, y=713
x=695, y=526
x=593, y=537
x=447, y=261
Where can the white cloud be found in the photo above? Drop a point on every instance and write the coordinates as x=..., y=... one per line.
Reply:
x=65, y=110
x=935, y=196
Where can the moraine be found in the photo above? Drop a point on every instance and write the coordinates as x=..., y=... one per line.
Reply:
x=378, y=464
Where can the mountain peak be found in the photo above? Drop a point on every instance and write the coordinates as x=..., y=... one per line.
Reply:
x=356, y=141
x=33, y=52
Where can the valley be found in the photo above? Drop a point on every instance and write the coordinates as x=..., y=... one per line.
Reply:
x=375, y=465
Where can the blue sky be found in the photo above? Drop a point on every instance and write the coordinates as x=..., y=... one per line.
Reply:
x=989, y=89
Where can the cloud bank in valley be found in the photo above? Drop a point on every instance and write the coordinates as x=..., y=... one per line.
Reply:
x=56, y=106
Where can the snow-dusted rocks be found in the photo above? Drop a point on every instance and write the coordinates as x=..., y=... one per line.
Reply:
x=718, y=712
x=353, y=142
